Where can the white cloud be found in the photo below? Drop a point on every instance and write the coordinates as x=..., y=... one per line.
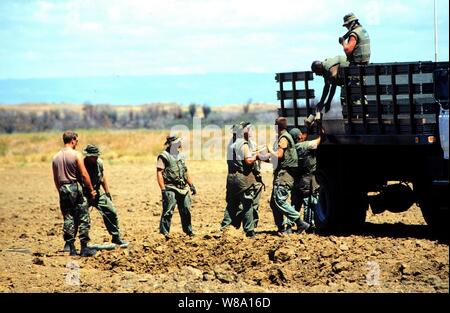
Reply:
x=114, y=13
x=195, y=36
x=43, y=12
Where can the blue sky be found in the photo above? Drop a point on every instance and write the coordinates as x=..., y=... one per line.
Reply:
x=80, y=38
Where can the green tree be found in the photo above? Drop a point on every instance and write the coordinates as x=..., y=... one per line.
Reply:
x=192, y=109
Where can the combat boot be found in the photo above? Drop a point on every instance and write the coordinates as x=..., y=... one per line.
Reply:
x=301, y=226
x=119, y=241
x=250, y=234
x=70, y=247
x=285, y=230
x=166, y=236
x=87, y=251
x=67, y=247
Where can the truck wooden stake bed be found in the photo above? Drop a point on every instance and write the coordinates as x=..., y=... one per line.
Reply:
x=388, y=147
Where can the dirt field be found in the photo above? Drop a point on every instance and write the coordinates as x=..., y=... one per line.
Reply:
x=394, y=253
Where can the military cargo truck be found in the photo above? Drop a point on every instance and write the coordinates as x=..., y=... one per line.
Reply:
x=386, y=144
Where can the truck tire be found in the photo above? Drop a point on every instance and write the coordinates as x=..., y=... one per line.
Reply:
x=338, y=210
x=434, y=206
x=325, y=210
x=354, y=209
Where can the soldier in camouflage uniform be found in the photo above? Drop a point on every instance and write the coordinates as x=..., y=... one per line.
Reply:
x=356, y=44
x=284, y=157
x=305, y=186
x=103, y=201
x=244, y=182
x=175, y=183
x=231, y=212
x=69, y=173
x=356, y=41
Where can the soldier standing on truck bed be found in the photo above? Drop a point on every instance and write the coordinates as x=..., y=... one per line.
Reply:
x=175, y=183
x=244, y=183
x=305, y=185
x=103, y=201
x=356, y=44
x=285, y=162
x=356, y=41
x=68, y=173
x=329, y=69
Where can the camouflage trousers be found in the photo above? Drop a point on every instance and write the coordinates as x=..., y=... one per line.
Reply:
x=305, y=193
x=108, y=212
x=283, y=213
x=179, y=198
x=356, y=99
x=74, y=208
x=242, y=206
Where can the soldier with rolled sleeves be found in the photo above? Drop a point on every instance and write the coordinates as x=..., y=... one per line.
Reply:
x=329, y=69
x=103, y=201
x=244, y=183
x=285, y=161
x=175, y=183
x=69, y=173
x=305, y=185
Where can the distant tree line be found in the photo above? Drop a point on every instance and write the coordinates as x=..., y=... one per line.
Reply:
x=152, y=116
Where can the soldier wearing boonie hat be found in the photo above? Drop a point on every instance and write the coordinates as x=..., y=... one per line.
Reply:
x=356, y=41
x=103, y=201
x=175, y=183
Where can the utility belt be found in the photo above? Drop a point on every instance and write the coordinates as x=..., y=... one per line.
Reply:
x=284, y=177
x=68, y=183
x=177, y=185
x=236, y=171
x=71, y=185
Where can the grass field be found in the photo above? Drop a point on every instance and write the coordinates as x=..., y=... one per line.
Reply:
x=120, y=146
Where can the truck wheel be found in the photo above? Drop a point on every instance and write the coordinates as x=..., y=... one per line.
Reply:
x=354, y=209
x=434, y=207
x=336, y=210
x=325, y=209
x=436, y=216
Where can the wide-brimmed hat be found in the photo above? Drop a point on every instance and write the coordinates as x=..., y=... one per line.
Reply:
x=171, y=139
x=245, y=124
x=348, y=18
x=91, y=150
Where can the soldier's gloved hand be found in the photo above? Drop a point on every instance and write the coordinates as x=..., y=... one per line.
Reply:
x=341, y=40
x=108, y=195
x=193, y=189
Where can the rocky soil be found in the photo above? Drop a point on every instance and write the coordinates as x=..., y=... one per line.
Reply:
x=393, y=253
